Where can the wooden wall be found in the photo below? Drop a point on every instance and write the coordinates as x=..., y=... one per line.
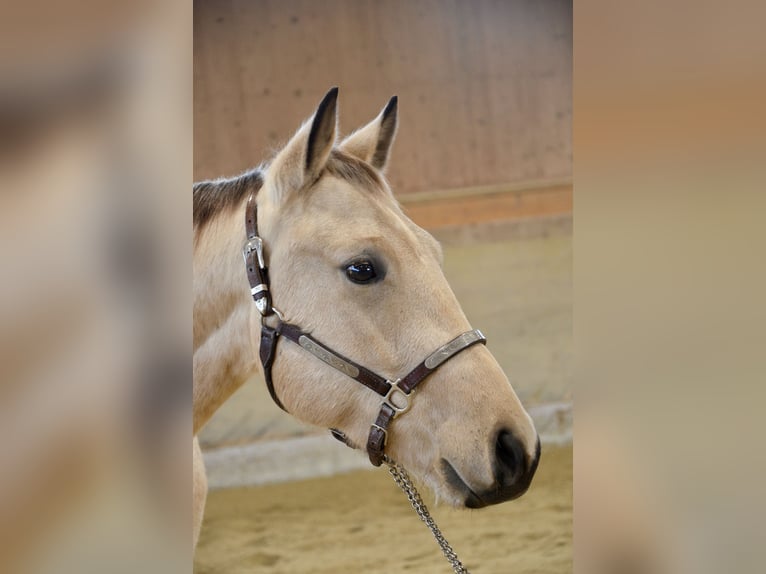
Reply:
x=484, y=85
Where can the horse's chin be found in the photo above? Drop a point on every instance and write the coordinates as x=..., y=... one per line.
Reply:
x=462, y=494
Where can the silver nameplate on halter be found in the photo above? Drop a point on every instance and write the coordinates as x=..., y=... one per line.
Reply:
x=455, y=345
x=328, y=357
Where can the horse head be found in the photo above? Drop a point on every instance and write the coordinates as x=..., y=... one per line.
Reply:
x=349, y=267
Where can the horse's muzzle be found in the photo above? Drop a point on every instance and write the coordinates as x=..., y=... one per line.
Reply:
x=513, y=471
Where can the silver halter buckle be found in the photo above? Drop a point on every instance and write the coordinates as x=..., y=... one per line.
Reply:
x=254, y=244
x=401, y=397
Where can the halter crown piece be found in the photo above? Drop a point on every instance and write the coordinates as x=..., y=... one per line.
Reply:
x=397, y=394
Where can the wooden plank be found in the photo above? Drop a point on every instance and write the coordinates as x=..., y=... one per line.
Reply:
x=484, y=86
x=438, y=213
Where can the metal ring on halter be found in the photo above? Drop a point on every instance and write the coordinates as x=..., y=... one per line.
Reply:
x=277, y=312
x=388, y=399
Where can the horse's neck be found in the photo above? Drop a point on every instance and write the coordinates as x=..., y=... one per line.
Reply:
x=224, y=356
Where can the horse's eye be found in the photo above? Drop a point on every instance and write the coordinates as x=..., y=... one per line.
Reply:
x=361, y=272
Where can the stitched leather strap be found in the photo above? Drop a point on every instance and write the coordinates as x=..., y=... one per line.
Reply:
x=268, y=352
x=255, y=260
x=392, y=406
x=440, y=356
x=346, y=366
x=251, y=217
x=376, y=440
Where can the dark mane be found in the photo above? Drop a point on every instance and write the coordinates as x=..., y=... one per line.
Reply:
x=213, y=197
x=219, y=195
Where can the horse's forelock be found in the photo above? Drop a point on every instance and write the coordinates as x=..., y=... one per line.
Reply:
x=354, y=171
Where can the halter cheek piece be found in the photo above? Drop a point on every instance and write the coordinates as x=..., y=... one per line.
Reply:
x=397, y=394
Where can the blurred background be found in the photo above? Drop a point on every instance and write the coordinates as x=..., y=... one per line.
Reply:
x=95, y=331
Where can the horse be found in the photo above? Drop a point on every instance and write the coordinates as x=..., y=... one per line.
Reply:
x=336, y=255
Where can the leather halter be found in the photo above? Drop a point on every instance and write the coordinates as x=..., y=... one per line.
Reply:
x=397, y=394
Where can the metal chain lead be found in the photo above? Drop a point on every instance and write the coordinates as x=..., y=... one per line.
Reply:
x=404, y=482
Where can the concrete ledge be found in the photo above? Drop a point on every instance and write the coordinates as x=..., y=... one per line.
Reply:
x=268, y=462
x=495, y=204
x=496, y=231
x=553, y=422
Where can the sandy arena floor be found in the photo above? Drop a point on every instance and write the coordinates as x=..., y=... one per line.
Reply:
x=362, y=522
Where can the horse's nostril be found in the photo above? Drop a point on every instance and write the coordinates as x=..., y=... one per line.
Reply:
x=510, y=457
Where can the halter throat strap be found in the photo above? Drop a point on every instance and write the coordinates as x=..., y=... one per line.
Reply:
x=397, y=394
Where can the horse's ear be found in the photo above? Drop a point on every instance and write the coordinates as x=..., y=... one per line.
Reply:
x=305, y=155
x=372, y=143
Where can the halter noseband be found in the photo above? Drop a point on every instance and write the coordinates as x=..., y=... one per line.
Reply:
x=396, y=394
